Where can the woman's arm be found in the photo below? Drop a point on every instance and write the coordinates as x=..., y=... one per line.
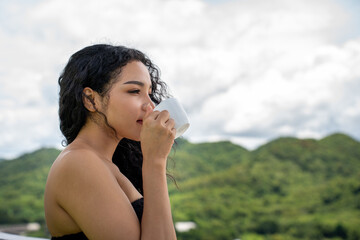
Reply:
x=88, y=191
x=157, y=138
x=157, y=220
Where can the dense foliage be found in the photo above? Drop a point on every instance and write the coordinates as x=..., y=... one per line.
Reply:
x=22, y=183
x=286, y=189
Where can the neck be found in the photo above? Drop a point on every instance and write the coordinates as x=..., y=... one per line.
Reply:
x=98, y=139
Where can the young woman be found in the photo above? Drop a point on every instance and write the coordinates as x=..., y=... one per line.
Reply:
x=110, y=180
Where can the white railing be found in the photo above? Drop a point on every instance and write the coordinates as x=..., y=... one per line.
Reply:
x=6, y=236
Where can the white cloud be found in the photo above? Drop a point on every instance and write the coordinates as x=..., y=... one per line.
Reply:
x=298, y=101
x=246, y=71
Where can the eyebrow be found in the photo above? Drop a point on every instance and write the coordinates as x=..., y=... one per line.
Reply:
x=137, y=83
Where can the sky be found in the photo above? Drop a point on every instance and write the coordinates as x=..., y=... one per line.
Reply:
x=247, y=71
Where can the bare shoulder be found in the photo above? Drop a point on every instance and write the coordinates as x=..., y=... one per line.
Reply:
x=77, y=166
x=83, y=185
x=77, y=157
x=70, y=167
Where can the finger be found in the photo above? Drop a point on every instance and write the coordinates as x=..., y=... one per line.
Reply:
x=173, y=131
x=164, y=116
x=155, y=114
x=170, y=123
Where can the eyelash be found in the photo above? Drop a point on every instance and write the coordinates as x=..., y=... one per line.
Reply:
x=137, y=91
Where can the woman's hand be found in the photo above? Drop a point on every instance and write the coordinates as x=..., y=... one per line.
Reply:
x=157, y=136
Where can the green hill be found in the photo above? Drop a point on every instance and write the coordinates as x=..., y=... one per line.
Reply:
x=22, y=184
x=285, y=189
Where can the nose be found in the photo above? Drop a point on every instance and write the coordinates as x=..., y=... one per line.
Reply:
x=148, y=102
x=152, y=104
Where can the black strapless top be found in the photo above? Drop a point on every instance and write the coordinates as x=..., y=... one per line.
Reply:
x=138, y=206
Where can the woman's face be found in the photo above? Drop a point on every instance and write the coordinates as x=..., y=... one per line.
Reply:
x=127, y=100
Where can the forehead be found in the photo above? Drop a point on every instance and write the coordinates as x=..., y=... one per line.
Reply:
x=135, y=71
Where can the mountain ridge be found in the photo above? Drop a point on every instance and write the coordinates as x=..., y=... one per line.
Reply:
x=286, y=189
x=183, y=141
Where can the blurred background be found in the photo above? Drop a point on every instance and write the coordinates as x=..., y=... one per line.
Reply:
x=246, y=71
x=271, y=88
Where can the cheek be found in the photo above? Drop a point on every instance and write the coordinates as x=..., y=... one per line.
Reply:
x=123, y=106
x=124, y=110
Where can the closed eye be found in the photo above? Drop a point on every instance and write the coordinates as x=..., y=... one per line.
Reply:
x=136, y=91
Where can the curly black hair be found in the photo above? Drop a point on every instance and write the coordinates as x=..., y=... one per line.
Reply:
x=96, y=67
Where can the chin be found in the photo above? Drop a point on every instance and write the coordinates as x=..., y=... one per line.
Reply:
x=134, y=137
x=131, y=135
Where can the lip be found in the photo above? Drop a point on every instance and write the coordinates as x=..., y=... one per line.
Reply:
x=140, y=121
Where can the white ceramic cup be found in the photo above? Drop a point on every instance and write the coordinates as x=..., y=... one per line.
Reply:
x=177, y=113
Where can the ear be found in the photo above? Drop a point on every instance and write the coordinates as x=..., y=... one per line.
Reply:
x=89, y=96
